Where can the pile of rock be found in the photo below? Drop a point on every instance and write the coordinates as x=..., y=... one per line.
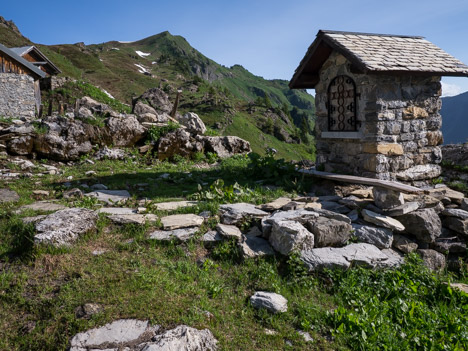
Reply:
x=372, y=227
x=65, y=138
x=152, y=109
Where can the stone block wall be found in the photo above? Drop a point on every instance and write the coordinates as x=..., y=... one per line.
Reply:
x=17, y=97
x=400, y=126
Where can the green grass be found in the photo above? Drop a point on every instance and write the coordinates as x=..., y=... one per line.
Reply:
x=170, y=284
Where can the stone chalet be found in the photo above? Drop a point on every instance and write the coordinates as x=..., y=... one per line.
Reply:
x=377, y=101
x=22, y=70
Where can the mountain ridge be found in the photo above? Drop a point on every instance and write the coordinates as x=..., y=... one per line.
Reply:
x=455, y=118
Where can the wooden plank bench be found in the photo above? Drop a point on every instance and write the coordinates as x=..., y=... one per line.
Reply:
x=397, y=186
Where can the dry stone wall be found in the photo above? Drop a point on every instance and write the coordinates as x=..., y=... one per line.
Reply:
x=17, y=95
x=400, y=126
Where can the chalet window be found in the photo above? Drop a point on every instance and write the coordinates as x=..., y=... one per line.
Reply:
x=342, y=105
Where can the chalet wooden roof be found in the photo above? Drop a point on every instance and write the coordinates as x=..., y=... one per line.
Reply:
x=35, y=72
x=376, y=53
x=42, y=60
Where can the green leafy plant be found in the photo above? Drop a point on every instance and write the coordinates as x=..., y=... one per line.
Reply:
x=270, y=169
x=156, y=132
x=405, y=309
x=221, y=193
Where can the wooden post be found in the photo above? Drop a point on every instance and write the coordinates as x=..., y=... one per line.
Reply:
x=176, y=103
x=49, y=112
x=41, y=110
x=60, y=109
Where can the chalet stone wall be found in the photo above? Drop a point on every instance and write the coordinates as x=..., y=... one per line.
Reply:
x=17, y=95
x=400, y=126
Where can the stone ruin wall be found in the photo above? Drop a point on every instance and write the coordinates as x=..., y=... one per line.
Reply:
x=400, y=126
x=17, y=97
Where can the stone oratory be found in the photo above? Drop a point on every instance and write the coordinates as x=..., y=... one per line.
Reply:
x=377, y=103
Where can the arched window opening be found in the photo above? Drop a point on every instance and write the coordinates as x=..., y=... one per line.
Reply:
x=342, y=105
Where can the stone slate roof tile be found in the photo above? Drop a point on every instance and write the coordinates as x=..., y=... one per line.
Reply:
x=387, y=53
x=378, y=53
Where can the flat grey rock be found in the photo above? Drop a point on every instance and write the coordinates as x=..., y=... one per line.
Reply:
x=382, y=221
x=272, y=302
x=378, y=236
x=110, y=196
x=181, y=221
x=234, y=213
x=335, y=207
x=229, y=231
x=333, y=215
x=407, y=207
x=211, y=237
x=289, y=236
x=182, y=234
x=174, y=205
x=99, y=187
x=117, y=210
x=115, y=335
x=454, y=212
x=134, y=218
x=45, y=206
x=275, y=205
x=7, y=195
x=252, y=246
x=456, y=224
x=182, y=338
x=65, y=226
x=357, y=254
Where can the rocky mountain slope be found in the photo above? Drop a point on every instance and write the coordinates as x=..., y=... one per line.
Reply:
x=455, y=118
x=232, y=100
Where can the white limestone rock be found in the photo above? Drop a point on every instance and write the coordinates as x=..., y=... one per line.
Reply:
x=65, y=226
x=273, y=302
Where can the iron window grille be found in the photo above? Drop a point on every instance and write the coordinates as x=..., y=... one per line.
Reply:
x=342, y=105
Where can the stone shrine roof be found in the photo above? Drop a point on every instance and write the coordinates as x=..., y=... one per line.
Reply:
x=376, y=53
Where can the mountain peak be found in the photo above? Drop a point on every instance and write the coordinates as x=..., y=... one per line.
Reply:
x=10, y=25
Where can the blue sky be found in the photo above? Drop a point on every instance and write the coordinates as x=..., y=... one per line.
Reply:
x=269, y=38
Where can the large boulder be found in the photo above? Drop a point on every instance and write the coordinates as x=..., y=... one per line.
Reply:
x=432, y=259
x=178, y=142
x=224, y=146
x=424, y=224
x=193, y=123
x=387, y=198
x=65, y=226
x=329, y=232
x=157, y=99
x=125, y=131
x=289, y=236
x=142, y=108
x=182, y=338
x=94, y=106
x=380, y=237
